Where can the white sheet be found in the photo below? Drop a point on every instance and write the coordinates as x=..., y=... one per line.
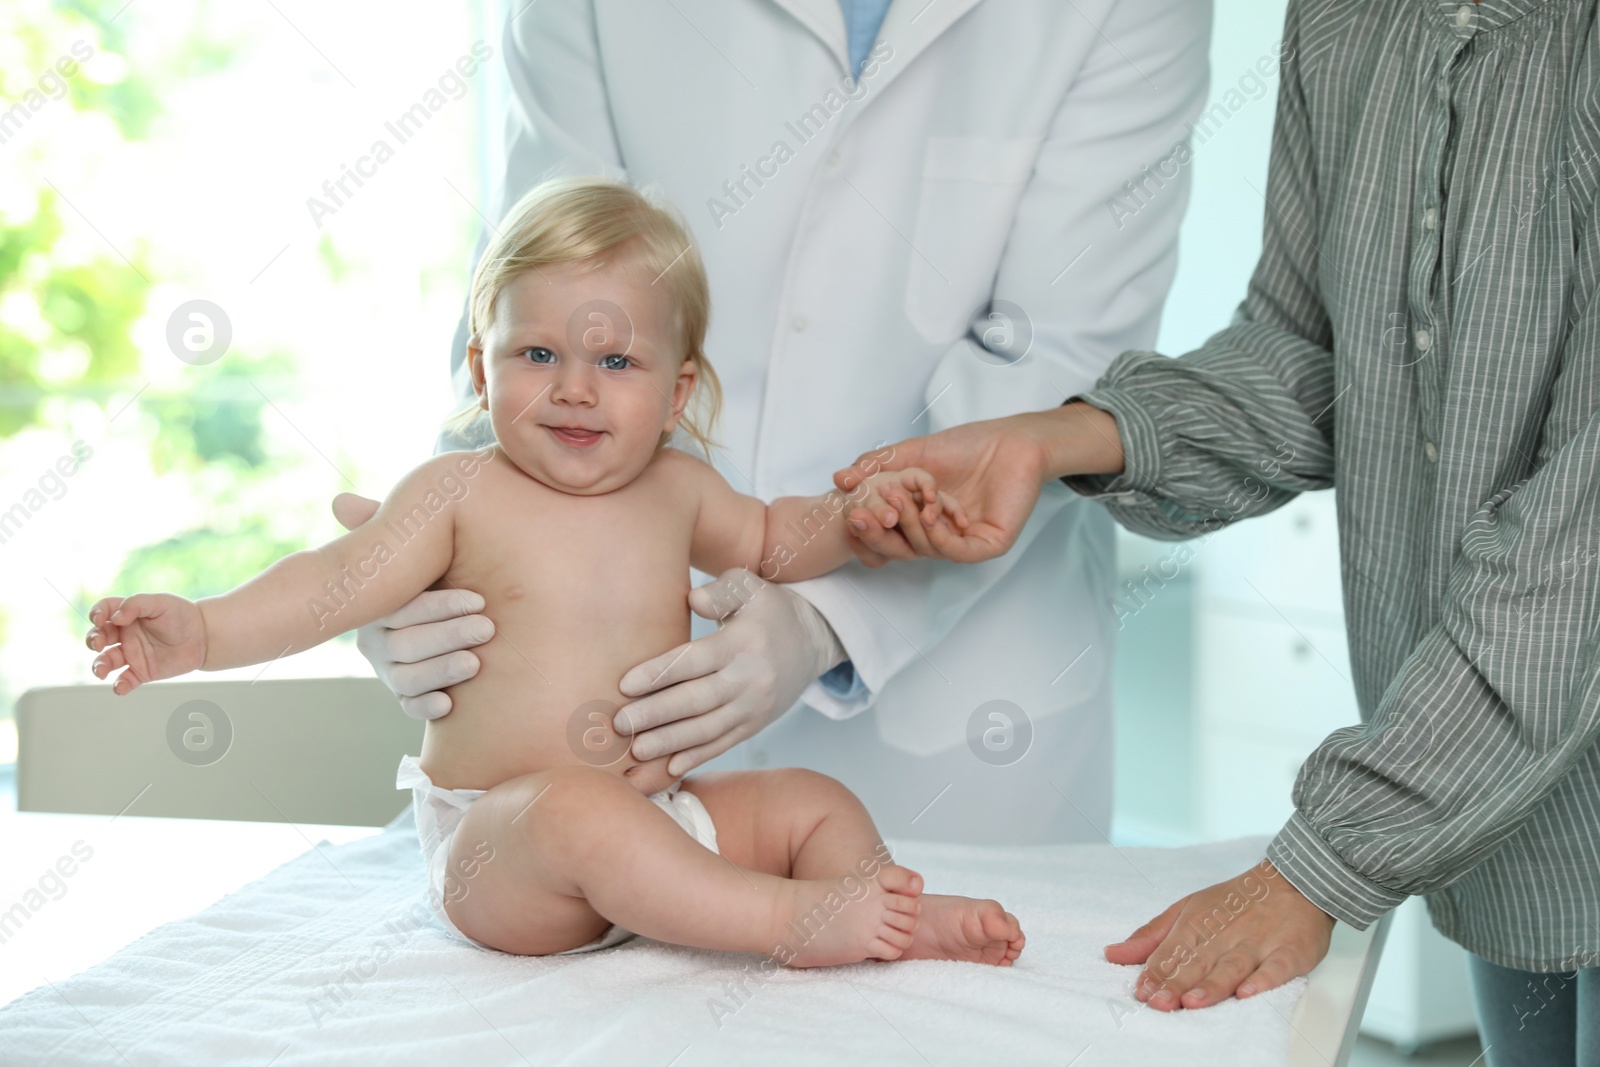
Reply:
x=334, y=956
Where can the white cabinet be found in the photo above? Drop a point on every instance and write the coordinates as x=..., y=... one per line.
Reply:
x=1287, y=678
x=1286, y=562
x=1272, y=674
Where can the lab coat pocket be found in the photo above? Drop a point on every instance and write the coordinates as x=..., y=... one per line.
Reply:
x=969, y=194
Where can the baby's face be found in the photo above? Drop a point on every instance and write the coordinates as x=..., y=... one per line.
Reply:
x=581, y=373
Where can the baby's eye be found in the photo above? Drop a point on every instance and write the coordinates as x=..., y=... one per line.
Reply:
x=539, y=355
x=615, y=362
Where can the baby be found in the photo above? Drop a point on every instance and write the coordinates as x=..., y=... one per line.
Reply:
x=540, y=832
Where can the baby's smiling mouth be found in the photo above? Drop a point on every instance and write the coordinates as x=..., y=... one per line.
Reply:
x=575, y=435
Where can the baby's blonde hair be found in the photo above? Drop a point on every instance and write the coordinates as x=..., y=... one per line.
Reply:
x=598, y=221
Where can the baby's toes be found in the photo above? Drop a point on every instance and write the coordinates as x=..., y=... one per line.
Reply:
x=900, y=910
x=897, y=913
x=999, y=934
x=998, y=923
x=901, y=881
x=1014, y=946
x=1001, y=925
x=900, y=939
x=882, y=948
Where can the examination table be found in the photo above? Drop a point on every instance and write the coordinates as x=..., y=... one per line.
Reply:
x=333, y=956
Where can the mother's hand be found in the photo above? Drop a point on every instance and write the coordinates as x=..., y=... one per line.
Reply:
x=1237, y=938
x=993, y=468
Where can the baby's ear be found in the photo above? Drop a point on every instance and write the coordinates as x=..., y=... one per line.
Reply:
x=682, y=390
x=475, y=367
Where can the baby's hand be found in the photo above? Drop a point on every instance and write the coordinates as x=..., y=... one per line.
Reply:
x=911, y=500
x=154, y=635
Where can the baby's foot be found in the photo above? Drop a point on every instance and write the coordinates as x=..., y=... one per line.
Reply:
x=961, y=928
x=878, y=925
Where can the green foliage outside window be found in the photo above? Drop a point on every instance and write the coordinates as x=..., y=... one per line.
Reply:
x=68, y=336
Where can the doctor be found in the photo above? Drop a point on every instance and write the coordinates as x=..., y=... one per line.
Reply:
x=907, y=228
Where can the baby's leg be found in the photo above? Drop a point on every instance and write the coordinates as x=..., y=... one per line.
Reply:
x=800, y=824
x=575, y=849
x=790, y=822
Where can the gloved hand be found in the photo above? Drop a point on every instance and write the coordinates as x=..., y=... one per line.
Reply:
x=421, y=648
x=708, y=695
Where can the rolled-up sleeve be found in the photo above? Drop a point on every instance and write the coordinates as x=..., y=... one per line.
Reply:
x=1239, y=426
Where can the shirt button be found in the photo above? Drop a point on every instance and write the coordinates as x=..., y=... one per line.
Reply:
x=1464, y=16
x=1430, y=219
x=1424, y=340
x=799, y=323
x=833, y=158
x=1430, y=450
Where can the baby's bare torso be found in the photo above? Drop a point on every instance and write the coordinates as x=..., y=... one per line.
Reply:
x=580, y=589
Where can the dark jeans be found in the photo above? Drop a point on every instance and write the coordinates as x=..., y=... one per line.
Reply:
x=1529, y=1019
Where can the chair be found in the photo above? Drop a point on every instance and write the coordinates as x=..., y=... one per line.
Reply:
x=316, y=750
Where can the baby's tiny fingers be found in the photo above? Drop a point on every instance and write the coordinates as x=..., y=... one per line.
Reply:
x=862, y=518
x=945, y=541
x=138, y=606
x=109, y=660
x=952, y=507
x=883, y=545
x=103, y=608
x=99, y=640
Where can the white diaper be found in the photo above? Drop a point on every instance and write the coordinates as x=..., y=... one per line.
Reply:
x=438, y=813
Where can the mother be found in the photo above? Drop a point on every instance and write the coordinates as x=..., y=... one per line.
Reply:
x=1422, y=330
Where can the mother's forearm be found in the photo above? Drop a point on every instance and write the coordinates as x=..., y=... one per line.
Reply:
x=1078, y=438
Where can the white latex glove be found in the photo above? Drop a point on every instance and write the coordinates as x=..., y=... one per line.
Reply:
x=710, y=694
x=422, y=648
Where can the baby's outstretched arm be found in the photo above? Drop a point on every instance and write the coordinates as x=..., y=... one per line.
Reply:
x=300, y=601
x=795, y=537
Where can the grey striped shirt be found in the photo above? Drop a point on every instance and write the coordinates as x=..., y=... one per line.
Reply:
x=1422, y=330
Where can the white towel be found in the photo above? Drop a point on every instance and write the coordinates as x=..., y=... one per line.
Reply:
x=336, y=957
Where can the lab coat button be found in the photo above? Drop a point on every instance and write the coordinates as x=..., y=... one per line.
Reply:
x=1424, y=340
x=799, y=323
x=1430, y=450
x=833, y=158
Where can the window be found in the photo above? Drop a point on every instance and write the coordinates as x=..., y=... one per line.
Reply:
x=234, y=244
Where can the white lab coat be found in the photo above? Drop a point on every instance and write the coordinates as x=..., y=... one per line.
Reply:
x=977, y=157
